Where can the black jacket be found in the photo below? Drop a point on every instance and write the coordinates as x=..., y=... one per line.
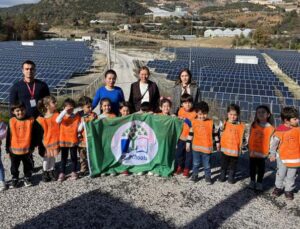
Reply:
x=135, y=96
x=20, y=93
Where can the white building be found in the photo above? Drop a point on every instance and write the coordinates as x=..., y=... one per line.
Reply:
x=227, y=33
x=157, y=12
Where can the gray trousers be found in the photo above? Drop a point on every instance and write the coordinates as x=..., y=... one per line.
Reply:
x=285, y=177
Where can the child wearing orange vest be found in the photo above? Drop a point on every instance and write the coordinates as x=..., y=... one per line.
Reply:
x=183, y=160
x=232, y=140
x=105, y=108
x=285, y=149
x=202, y=135
x=49, y=134
x=86, y=115
x=68, y=138
x=261, y=132
x=20, y=144
x=3, y=130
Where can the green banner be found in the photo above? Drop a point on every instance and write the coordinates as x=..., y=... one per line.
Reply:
x=136, y=143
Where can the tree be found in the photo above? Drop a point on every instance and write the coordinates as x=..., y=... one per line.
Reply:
x=262, y=35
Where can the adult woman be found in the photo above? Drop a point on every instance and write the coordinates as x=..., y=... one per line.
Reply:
x=184, y=85
x=110, y=91
x=144, y=90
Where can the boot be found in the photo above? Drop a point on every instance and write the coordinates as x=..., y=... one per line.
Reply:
x=231, y=179
x=222, y=176
x=45, y=176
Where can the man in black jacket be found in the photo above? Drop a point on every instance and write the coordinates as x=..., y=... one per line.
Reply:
x=28, y=90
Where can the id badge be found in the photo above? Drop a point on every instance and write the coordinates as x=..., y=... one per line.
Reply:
x=32, y=103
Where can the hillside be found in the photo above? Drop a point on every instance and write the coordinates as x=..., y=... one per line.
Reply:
x=67, y=11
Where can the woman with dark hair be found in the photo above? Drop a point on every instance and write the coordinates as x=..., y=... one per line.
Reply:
x=110, y=91
x=144, y=90
x=184, y=85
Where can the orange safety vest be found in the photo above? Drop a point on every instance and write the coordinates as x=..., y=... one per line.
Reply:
x=289, y=147
x=259, y=140
x=20, y=135
x=190, y=115
x=68, y=136
x=232, y=139
x=92, y=116
x=203, y=140
x=51, y=133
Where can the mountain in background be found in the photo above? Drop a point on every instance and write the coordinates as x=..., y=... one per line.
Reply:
x=64, y=11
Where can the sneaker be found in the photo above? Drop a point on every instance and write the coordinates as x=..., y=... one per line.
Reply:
x=52, y=175
x=222, y=177
x=113, y=174
x=61, y=177
x=259, y=187
x=186, y=173
x=2, y=186
x=208, y=180
x=74, y=176
x=194, y=178
x=125, y=173
x=46, y=176
x=84, y=173
x=150, y=174
x=252, y=185
x=140, y=173
x=289, y=195
x=179, y=170
x=27, y=182
x=277, y=192
x=14, y=183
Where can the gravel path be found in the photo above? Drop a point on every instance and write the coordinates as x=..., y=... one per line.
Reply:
x=146, y=202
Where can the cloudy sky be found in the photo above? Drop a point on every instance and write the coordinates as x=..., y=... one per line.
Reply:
x=7, y=3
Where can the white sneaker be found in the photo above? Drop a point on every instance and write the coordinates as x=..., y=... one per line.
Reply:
x=150, y=174
x=140, y=173
x=2, y=186
x=113, y=174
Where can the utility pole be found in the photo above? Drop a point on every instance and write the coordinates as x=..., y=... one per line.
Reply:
x=108, y=52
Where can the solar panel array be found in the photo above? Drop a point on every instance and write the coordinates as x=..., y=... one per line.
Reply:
x=288, y=62
x=56, y=62
x=225, y=82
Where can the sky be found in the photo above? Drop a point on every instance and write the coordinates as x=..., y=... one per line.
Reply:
x=7, y=3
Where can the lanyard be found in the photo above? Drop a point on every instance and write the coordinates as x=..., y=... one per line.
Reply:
x=31, y=92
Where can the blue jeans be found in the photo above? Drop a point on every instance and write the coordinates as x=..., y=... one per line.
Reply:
x=2, y=174
x=183, y=159
x=197, y=157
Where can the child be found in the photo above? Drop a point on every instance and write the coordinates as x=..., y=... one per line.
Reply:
x=165, y=106
x=86, y=115
x=49, y=133
x=232, y=139
x=259, y=144
x=105, y=107
x=183, y=162
x=2, y=174
x=203, y=134
x=68, y=138
x=125, y=108
x=285, y=149
x=20, y=143
x=145, y=108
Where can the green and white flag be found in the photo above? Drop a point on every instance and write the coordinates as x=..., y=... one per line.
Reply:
x=136, y=143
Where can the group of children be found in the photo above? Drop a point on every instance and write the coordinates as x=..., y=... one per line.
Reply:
x=63, y=132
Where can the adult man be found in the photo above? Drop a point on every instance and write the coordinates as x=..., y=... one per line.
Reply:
x=29, y=90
